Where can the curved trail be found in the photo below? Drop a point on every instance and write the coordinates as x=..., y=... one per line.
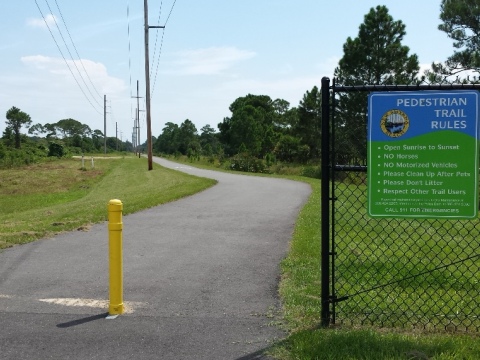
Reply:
x=200, y=279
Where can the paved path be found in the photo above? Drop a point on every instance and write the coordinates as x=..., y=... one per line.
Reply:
x=200, y=279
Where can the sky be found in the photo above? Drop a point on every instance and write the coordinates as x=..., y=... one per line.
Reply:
x=210, y=53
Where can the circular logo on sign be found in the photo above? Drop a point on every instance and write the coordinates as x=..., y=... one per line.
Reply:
x=394, y=123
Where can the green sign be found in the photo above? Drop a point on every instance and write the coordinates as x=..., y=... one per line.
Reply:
x=423, y=154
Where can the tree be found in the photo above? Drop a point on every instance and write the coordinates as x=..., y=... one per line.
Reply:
x=97, y=139
x=37, y=130
x=55, y=149
x=209, y=140
x=188, y=138
x=308, y=127
x=167, y=141
x=375, y=57
x=71, y=127
x=8, y=137
x=251, y=124
x=51, y=130
x=112, y=143
x=281, y=108
x=245, y=128
x=290, y=149
x=15, y=120
x=460, y=22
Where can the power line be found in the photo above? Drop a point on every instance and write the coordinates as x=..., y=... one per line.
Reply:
x=129, y=47
x=156, y=35
x=155, y=49
x=158, y=63
x=112, y=116
x=135, y=130
x=79, y=57
x=175, y=1
x=161, y=43
x=71, y=56
x=64, y=59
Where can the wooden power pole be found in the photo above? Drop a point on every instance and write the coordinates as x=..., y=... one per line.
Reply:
x=147, y=84
x=105, y=123
x=136, y=126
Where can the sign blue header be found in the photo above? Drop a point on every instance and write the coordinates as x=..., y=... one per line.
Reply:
x=415, y=113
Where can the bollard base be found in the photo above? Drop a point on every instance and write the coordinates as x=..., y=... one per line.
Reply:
x=116, y=309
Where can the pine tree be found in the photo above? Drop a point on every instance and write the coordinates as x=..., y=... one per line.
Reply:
x=375, y=57
x=460, y=22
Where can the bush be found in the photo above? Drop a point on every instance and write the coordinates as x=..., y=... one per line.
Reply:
x=248, y=163
x=55, y=149
x=19, y=157
x=312, y=172
x=290, y=149
x=287, y=169
x=270, y=159
x=3, y=151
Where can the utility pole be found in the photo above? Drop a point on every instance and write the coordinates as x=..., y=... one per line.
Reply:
x=134, y=138
x=105, y=123
x=137, y=122
x=136, y=132
x=147, y=84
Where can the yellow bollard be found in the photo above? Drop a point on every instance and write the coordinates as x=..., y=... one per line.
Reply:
x=115, y=226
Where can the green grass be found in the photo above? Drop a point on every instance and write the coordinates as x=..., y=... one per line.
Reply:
x=300, y=285
x=41, y=200
x=300, y=289
x=279, y=169
x=376, y=345
x=372, y=252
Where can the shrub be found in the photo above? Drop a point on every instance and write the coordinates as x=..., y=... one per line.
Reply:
x=248, y=163
x=312, y=172
x=55, y=149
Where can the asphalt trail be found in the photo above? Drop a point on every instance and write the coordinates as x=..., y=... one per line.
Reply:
x=200, y=279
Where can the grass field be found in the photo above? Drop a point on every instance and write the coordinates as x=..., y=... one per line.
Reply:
x=40, y=200
x=394, y=251
x=300, y=293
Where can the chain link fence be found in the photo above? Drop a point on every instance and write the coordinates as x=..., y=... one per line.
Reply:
x=394, y=272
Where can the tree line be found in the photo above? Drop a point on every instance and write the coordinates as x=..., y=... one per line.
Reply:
x=63, y=138
x=258, y=126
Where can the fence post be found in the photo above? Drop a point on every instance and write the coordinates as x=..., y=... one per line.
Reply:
x=115, y=226
x=325, y=204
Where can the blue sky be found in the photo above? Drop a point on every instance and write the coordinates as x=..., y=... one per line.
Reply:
x=213, y=52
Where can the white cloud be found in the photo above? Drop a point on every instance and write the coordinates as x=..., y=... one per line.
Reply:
x=42, y=23
x=209, y=61
x=90, y=71
x=46, y=90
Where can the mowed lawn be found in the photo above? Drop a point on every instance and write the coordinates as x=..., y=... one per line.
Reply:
x=40, y=200
x=300, y=295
